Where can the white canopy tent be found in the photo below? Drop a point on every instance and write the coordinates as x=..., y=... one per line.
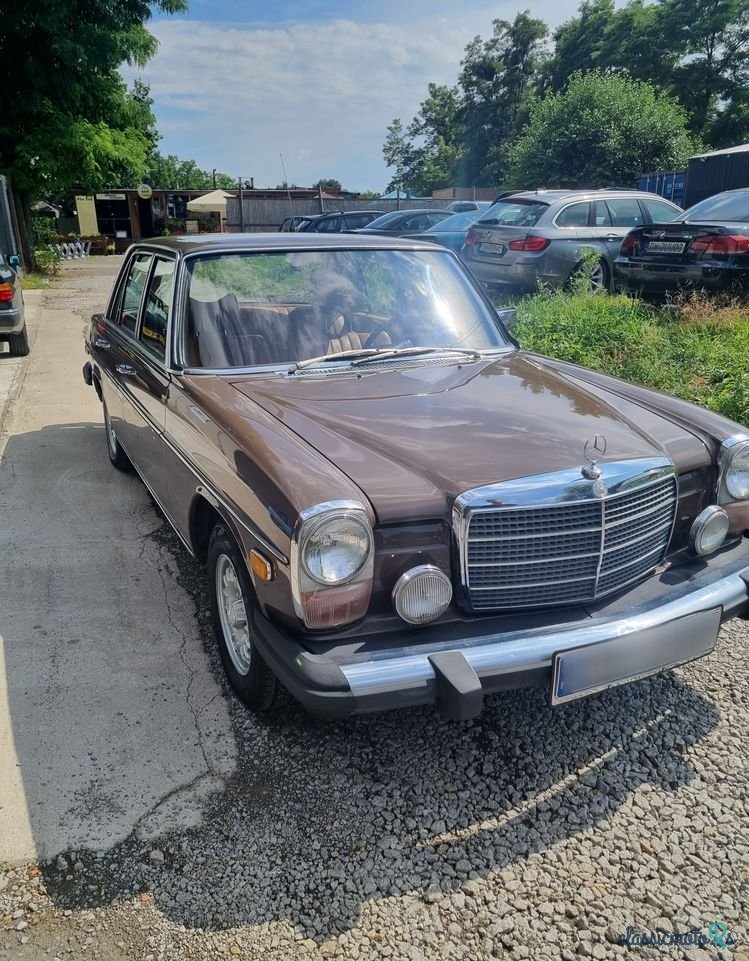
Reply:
x=214, y=202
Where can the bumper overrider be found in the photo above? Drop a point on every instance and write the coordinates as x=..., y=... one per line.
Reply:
x=671, y=618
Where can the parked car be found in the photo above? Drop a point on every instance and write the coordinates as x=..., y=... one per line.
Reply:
x=12, y=317
x=341, y=220
x=464, y=206
x=398, y=223
x=395, y=503
x=450, y=232
x=291, y=224
x=707, y=246
x=544, y=235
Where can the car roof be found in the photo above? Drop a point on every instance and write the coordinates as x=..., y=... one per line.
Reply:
x=550, y=196
x=213, y=243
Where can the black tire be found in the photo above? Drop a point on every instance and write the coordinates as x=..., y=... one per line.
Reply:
x=600, y=277
x=19, y=343
x=117, y=455
x=251, y=679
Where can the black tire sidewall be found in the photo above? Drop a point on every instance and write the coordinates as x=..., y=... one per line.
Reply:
x=118, y=457
x=257, y=688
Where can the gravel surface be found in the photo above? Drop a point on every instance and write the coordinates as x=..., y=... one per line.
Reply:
x=528, y=833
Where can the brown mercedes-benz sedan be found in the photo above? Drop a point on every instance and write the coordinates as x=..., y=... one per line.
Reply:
x=396, y=504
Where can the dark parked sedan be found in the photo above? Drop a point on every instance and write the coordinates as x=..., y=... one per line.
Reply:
x=405, y=223
x=705, y=247
x=543, y=236
x=335, y=223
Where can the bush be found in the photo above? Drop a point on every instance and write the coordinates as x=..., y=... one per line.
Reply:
x=694, y=348
x=46, y=261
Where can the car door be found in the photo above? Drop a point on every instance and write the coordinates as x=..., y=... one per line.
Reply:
x=624, y=213
x=144, y=379
x=112, y=331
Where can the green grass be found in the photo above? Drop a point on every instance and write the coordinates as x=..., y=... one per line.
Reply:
x=34, y=281
x=696, y=348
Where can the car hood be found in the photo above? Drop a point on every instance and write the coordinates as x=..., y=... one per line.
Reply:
x=413, y=436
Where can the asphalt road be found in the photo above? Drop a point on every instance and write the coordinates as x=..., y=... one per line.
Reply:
x=145, y=816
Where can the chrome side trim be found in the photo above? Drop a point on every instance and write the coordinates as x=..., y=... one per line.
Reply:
x=529, y=650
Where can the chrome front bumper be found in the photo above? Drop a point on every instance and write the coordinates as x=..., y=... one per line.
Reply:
x=455, y=674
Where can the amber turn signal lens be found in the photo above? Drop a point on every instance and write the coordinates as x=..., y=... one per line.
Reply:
x=261, y=567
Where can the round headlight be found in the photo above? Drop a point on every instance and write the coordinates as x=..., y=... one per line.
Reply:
x=709, y=530
x=422, y=594
x=736, y=476
x=336, y=548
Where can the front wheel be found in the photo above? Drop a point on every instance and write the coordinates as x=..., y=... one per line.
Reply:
x=232, y=604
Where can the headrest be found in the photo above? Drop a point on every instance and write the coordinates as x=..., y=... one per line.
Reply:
x=337, y=326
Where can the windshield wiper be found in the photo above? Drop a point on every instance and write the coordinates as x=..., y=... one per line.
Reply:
x=362, y=352
x=384, y=353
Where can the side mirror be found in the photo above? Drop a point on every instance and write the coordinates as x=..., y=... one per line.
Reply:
x=14, y=260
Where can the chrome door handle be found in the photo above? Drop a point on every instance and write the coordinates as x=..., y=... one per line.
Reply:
x=125, y=369
x=102, y=343
x=613, y=237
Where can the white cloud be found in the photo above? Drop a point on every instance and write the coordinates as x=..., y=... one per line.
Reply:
x=321, y=93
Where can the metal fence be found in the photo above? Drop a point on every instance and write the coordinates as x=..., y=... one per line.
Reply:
x=267, y=213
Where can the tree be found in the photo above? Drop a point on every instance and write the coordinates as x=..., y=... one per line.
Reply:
x=170, y=173
x=328, y=183
x=496, y=81
x=603, y=130
x=67, y=114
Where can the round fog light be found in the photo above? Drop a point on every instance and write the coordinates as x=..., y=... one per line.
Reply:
x=422, y=594
x=709, y=530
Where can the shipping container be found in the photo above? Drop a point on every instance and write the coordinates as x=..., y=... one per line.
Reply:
x=669, y=184
x=712, y=173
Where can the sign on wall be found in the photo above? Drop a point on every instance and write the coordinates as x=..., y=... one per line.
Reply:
x=86, y=209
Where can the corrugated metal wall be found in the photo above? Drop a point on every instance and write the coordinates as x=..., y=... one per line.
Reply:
x=712, y=174
x=669, y=184
x=267, y=213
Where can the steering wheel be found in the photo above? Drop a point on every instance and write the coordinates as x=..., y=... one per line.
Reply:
x=381, y=328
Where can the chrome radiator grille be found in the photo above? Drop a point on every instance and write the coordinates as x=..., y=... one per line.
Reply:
x=568, y=551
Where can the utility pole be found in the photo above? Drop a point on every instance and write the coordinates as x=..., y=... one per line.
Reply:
x=241, y=208
x=214, y=178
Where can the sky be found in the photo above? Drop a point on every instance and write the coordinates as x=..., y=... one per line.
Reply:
x=238, y=84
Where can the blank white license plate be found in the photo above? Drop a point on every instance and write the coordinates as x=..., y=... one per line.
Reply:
x=666, y=247
x=587, y=670
x=493, y=248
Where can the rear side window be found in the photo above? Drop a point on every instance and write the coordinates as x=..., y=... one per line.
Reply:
x=514, y=213
x=625, y=212
x=157, y=308
x=660, y=212
x=128, y=306
x=354, y=221
x=417, y=222
x=329, y=225
x=576, y=215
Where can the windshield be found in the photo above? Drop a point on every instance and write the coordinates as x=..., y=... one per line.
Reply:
x=514, y=212
x=252, y=309
x=732, y=206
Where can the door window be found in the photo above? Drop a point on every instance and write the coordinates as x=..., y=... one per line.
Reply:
x=126, y=314
x=576, y=215
x=157, y=307
x=417, y=222
x=601, y=215
x=625, y=212
x=354, y=221
x=330, y=225
x=660, y=212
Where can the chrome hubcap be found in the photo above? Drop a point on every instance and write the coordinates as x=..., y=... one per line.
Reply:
x=233, y=615
x=111, y=436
